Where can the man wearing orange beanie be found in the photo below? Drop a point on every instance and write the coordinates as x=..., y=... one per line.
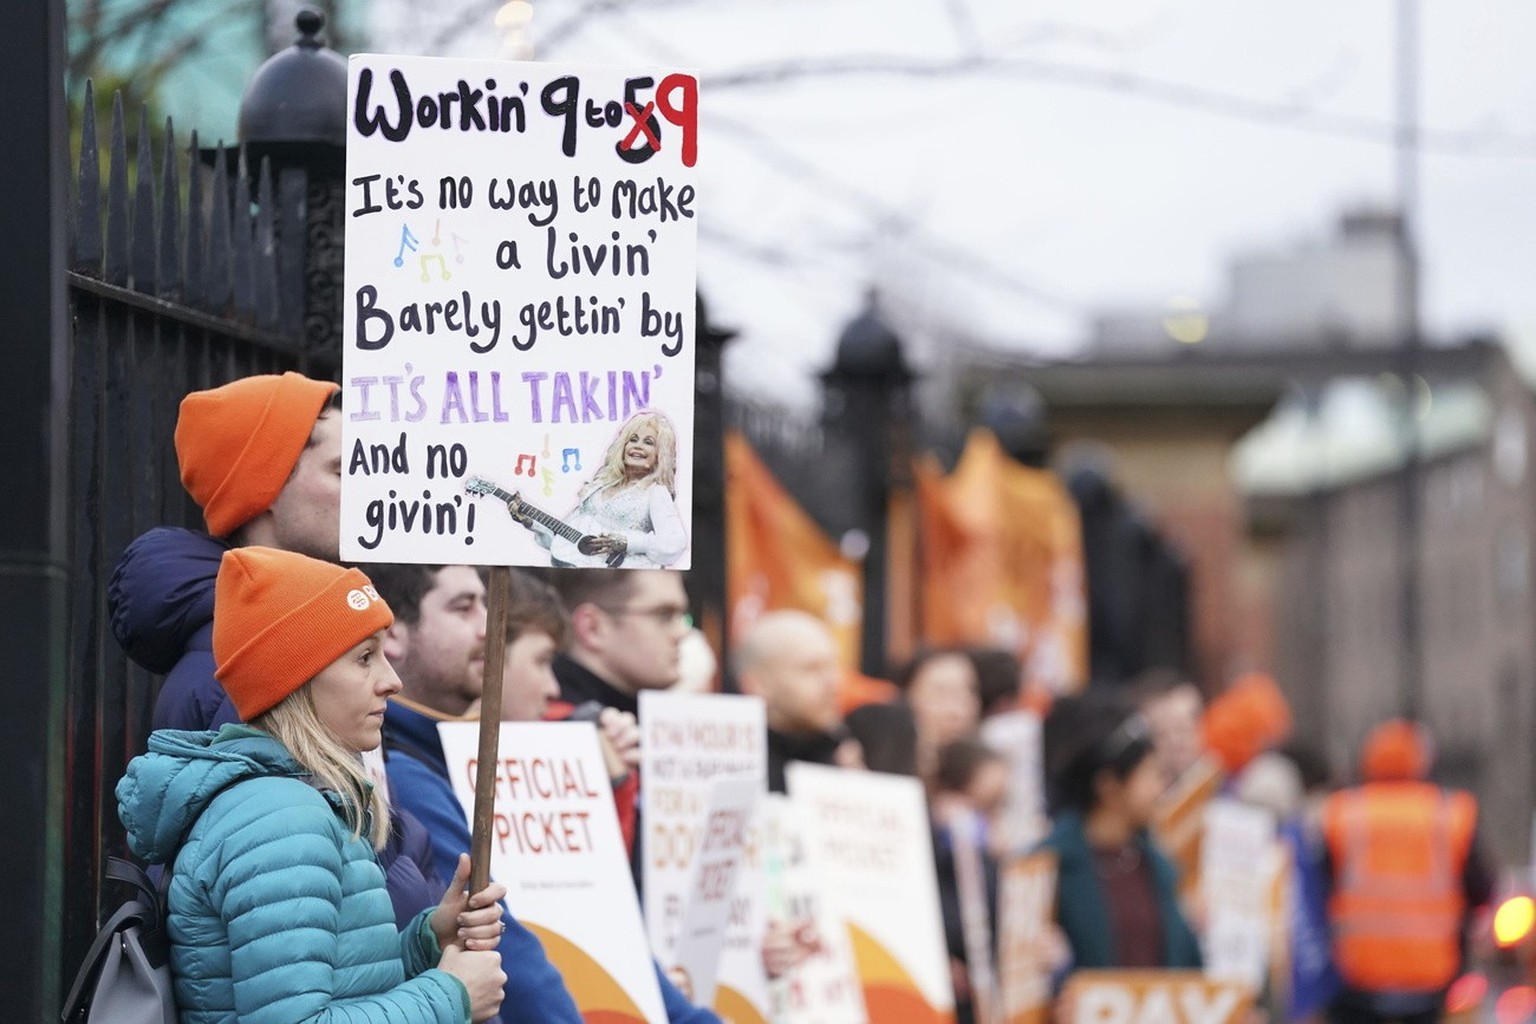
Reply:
x=1405, y=873
x=262, y=458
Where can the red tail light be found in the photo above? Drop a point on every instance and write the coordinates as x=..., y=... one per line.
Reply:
x=1466, y=994
x=1516, y=1005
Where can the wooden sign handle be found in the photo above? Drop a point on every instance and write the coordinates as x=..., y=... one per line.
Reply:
x=497, y=595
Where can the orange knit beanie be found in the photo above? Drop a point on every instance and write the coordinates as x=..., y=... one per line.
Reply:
x=280, y=617
x=1395, y=750
x=1246, y=719
x=237, y=444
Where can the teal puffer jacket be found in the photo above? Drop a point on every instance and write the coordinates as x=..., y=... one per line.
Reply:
x=277, y=915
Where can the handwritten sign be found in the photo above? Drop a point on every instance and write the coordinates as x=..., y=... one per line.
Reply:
x=1163, y=997
x=689, y=742
x=1240, y=861
x=871, y=847
x=712, y=886
x=518, y=312
x=1016, y=734
x=821, y=986
x=1026, y=908
x=967, y=832
x=557, y=847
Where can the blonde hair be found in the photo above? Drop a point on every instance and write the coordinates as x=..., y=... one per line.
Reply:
x=296, y=725
x=611, y=472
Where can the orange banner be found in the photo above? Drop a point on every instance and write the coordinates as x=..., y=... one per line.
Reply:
x=1003, y=562
x=777, y=557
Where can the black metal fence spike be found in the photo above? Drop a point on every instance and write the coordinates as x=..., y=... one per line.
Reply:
x=193, y=289
x=142, y=230
x=265, y=254
x=242, y=282
x=216, y=266
x=86, y=256
x=292, y=249
x=168, y=272
x=116, y=270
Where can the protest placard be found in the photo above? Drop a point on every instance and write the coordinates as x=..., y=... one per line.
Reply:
x=1240, y=860
x=1163, y=997
x=1026, y=908
x=558, y=849
x=966, y=835
x=689, y=740
x=870, y=846
x=1178, y=820
x=1016, y=735
x=711, y=889
x=518, y=313
x=820, y=984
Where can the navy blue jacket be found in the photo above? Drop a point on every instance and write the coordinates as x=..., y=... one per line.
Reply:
x=161, y=604
x=418, y=780
x=161, y=601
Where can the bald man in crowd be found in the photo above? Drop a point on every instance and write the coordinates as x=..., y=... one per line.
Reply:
x=789, y=659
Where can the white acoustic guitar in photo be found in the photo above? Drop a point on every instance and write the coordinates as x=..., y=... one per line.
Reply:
x=569, y=543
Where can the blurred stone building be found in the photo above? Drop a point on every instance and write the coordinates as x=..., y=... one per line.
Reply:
x=1265, y=437
x=1323, y=487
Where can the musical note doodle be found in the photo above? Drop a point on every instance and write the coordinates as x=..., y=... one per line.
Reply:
x=549, y=481
x=545, y=452
x=568, y=456
x=442, y=265
x=407, y=241
x=437, y=233
x=526, y=459
x=458, y=257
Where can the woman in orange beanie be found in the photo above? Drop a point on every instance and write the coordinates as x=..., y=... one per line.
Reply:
x=277, y=907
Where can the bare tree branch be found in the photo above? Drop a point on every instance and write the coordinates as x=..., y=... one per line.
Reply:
x=964, y=25
x=892, y=219
x=1480, y=143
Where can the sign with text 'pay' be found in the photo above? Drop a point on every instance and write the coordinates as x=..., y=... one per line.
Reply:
x=869, y=844
x=518, y=313
x=557, y=847
x=689, y=742
x=1154, y=997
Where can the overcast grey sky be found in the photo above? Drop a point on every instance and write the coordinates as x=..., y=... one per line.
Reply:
x=1109, y=154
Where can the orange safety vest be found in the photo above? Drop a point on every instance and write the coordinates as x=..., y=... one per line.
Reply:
x=1399, y=850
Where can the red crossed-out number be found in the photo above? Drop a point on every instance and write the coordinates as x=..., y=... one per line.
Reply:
x=642, y=127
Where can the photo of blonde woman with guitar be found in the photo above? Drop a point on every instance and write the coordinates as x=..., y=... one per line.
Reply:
x=626, y=514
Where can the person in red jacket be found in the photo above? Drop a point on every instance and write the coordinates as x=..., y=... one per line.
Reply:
x=1405, y=871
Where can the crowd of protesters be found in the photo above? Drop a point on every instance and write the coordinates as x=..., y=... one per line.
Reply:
x=297, y=894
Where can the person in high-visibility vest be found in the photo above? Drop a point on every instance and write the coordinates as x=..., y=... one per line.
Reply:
x=1405, y=871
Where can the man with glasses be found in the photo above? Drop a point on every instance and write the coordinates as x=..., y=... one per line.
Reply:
x=627, y=628
x=437, y=645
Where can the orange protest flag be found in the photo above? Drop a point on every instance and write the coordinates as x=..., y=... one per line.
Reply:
x=777, y=557
x=1003, y=563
